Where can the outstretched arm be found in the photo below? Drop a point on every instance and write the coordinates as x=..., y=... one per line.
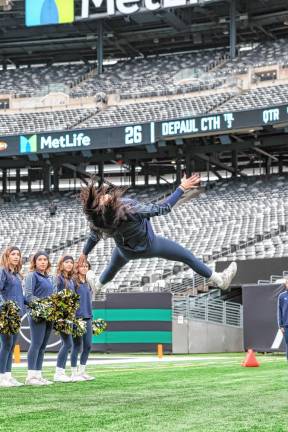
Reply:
x=91, y=242
x=150, y=210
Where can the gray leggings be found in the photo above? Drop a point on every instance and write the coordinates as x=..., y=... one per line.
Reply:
x=40, y=333
x=8, y=343
x=161, y=248
x=66, y=345
x=77, y=342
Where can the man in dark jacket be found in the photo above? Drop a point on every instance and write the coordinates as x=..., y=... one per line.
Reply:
x=283, y=314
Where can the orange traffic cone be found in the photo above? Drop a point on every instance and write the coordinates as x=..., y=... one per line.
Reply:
x=250, y=360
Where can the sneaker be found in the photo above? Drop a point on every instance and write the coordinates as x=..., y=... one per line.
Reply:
x=5, y=382
x=77, y=377
x=45, y=381
x=228, y=275
x=101, y=295
x=14, y=382
x=87, y=377
x=98, y=289
x=92, y=280
x=34, y=381
x=62, y=378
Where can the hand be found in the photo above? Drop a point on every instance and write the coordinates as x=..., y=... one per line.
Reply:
x=282, y=329
x=82, y=259
x=190, y=182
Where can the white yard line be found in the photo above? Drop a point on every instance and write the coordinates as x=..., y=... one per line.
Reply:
x=128, y=360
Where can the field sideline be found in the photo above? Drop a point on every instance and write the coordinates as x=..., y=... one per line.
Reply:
x=201, y=393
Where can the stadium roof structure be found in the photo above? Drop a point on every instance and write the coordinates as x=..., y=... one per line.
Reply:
x=205, y=25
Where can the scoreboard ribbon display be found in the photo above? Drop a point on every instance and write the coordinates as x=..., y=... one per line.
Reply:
x=142, y=134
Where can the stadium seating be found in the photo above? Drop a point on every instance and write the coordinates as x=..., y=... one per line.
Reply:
x=157, y=110
x=43, y=121
x=29, y=81
x=264, y=54
x=236, y=219
x=259, y=97
x=155, y=75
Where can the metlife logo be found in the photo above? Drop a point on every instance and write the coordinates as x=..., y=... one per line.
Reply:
x=128, y=7
x=67, y=141
x=45, y=12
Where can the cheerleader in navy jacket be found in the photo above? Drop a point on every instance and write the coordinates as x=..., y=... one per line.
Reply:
x=65, y=272
x=283, y=314
x=38, y=284
x=10, y=289
x=127, y=222
x=85, y=312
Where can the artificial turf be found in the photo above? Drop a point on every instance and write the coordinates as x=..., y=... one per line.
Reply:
x=204, y=396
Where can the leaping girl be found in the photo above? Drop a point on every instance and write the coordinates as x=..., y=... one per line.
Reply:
x=110, y=214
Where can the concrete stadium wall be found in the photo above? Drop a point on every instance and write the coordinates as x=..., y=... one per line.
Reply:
x=205, y=337
x=250, y=271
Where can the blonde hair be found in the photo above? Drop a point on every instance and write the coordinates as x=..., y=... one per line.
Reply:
x=4, y=261
x=33, y=267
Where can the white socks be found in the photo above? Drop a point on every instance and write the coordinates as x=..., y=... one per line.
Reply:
x=78, y=371
x=60, y=371
x=81, y=368
x=8, y=374
x=33, y=374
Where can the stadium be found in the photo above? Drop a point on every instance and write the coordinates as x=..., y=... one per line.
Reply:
x=176, y=103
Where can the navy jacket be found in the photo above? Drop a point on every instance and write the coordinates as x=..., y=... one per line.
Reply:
x=85, y=308
x=38, y=285
x=63, y=283
x=11, y=289
x=283, y=309
x=136, y=233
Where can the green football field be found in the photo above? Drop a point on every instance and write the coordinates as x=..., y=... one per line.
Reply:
x=210, y=394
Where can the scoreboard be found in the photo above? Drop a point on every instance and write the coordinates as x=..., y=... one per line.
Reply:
x=142, y=134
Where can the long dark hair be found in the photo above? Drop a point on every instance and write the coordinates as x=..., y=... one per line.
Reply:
x=104, y=218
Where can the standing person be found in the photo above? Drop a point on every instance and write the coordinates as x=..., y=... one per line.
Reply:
x=127, y=222
x=65, y=272
x=10, y=289
x=38, y=284
x=52, y=208
x=85, y=312
x=283, y=314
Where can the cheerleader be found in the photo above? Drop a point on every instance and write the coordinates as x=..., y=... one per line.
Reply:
x=65, y=272
x=10, y=289
x=127, y=222
x=85, y=312
x=38, y=284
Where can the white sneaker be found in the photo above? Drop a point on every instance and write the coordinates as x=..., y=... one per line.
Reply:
x=228, y=275
x=77, y=377
x=99, y=292
x=61, y=378
x=5, y=382
x=45, y=381
x=87, y=377
x=92, y=280
x=34, y=381
x=14, y=382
